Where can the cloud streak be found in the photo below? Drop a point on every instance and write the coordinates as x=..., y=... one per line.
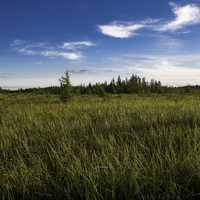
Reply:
x=170, y=69
x=65, y=55
x=122, y=29
x=184, y=16
x=68, y=50
x=177, y=69
x=4, y=75
x=77, y=45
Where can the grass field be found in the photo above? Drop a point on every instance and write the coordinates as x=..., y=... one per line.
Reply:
x=118, y=147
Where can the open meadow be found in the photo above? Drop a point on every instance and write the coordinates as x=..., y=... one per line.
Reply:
x=90, y=147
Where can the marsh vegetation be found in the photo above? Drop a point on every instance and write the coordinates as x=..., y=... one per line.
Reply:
x=90, y=147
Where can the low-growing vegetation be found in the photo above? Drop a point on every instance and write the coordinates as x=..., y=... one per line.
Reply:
x=90, y=147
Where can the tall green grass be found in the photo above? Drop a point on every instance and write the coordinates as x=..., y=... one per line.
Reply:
x=119, y=147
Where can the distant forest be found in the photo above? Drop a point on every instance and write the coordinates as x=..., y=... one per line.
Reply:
x=132, y=85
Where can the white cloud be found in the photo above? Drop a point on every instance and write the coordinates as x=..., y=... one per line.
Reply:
x=18, y=42
x=4, y=75
x=168, y=42
x=68, y=51
x=26, y=51
x=177, y=69
x=66, y=55
x=184, y=16
x=118, y=29
x=77, y=45
x=170, y=69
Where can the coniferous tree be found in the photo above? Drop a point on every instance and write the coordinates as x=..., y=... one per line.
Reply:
x=144, y=85
x=132, y=84
x=112, y=86
x=119, y=85
x=89, y=89
x=65, y=86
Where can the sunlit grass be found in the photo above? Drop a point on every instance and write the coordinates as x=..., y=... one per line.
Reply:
x=119, y=147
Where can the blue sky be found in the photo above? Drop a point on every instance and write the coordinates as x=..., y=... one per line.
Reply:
x=97, y=40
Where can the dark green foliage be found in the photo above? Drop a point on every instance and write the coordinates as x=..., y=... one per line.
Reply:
x=134, y=85
x=100, y=90
x=65, y=87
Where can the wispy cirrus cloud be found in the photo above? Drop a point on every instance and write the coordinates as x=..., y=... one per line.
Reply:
x=65, y=55
x=122, y=29
x=184, y=16
x=77, y=45
x=171, y=69
x=68, y=50
x=4, y=75
x=168, y=42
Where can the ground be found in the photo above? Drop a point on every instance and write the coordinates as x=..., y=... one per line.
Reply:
x=112, y=147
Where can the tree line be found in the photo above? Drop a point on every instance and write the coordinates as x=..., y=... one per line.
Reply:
x=133, y=85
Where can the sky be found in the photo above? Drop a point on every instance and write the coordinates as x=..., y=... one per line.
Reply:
x=98, y=40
